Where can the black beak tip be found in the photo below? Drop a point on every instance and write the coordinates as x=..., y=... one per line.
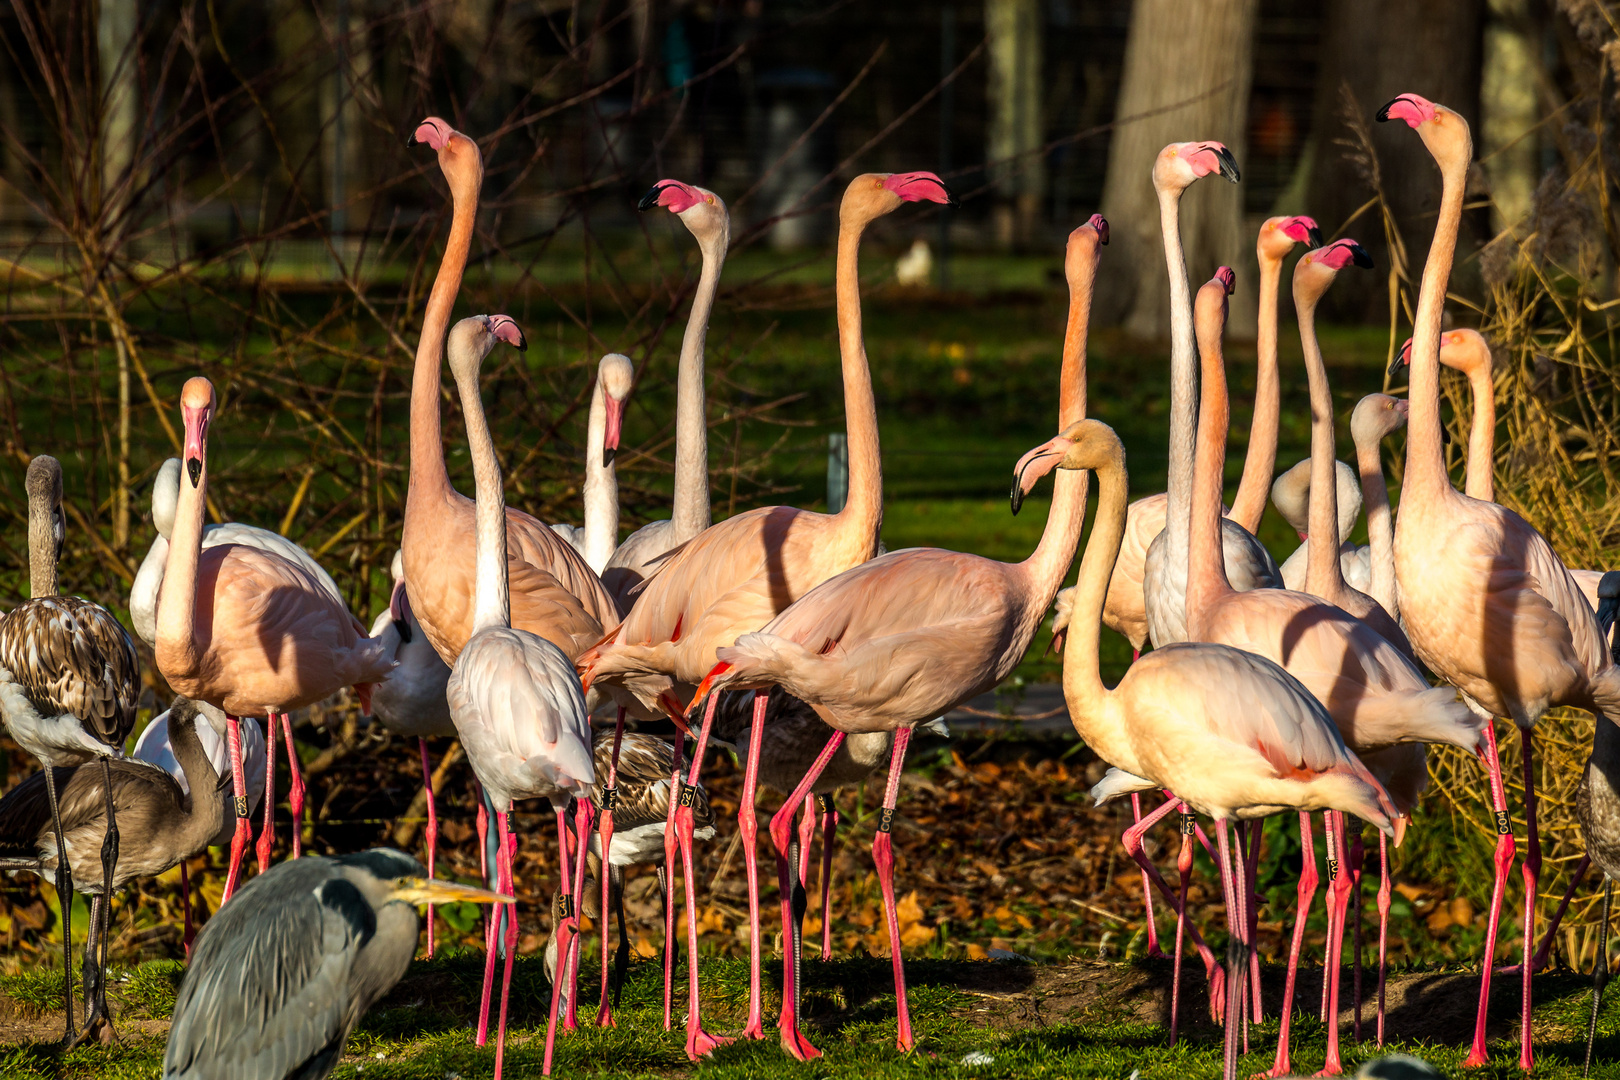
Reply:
x=1315, y=235
x=1382, y=115
x=1229, y=165
x=410, y=140
x=522, y=342
x=1397, y=364
x=608, y=454
x=952, y=200
x=1363, y=260
x=650, y=200
x=1017, y=498
x=404, y=630
x=194, y=470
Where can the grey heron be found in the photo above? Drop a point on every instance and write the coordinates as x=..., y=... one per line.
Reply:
x=166, y=826
x=284, y=971
x=69, y=680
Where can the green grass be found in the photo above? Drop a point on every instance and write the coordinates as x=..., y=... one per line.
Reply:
x=959, y=1009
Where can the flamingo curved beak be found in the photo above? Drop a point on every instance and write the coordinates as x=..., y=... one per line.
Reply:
x=399, y=609
x=1413, y=108
x=920, y=187
x=678, y=197
x=1402, y=358
x=614, y=427
x=196, y=420
x=506, y=329
x=1034, y=465
x=431, y=132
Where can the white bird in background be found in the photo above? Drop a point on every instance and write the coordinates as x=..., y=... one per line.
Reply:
x=1290, y=494
x=598, y=538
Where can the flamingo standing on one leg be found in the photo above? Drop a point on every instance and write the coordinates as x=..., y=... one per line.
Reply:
x=1485, y=601
x=246, y=630
x=517, y=706
x=734, y=577
x=1173, y=715
x=1376, y=696
x=69, y=685
x=553, y=591
x=143, y=605
x=412, y=702
x=704, y=214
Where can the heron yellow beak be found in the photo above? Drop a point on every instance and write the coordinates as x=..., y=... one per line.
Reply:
x=434, y=891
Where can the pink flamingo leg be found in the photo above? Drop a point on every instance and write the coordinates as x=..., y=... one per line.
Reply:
x=1251, y=907
x=295, y=788
x=1308, y=881
x=1383, y=927
x=1212, y=968
x=1184, y=865
x=883, y=858
x=584, y=812
x=604, y=1012
x=1477, y=1054
x=748, y=828
x=562, y=927
x=1356, y=857
x=699, y=1043
x=267, y=834
x=432, y=827
x=671, y=852
x=1532, y=880
x=807, y=835
x=1539, y=960
x=244, y=831
x=1237, y=961
x=829, y=829
x=1338, y=906
x=507, y=846
x=491, y=924
x=793, y=1040
x=1153, y=951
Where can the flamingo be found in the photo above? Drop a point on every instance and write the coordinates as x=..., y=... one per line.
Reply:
x=166, y=826
x=554, y=592
x=1290, y=494
x=1164, y=565
x=155, y=747
x=886, y=646
x=412, y=702
x=1487, y=604
x=1469, y=352
x=1376, y=696
x=1174, y=714
x=143, y=604
x=516, y=703
x=69, y=685
x=704, y=215
x=596, y=539
x=247, y=630
x=1376, y=417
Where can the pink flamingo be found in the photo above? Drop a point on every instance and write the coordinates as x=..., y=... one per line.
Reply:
x=412, y=702
x=517, y=706
x=554, y=593
x=246, y=630
x=1498, y=616
x=1173, y=713
x=1376, y=417
x=1376, y=696
x=736, y=576
x=704, y=214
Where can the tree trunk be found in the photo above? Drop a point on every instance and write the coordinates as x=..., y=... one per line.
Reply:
x=1192, y=60
x=115, y=42
x=1013, y=28
x=1378, y=49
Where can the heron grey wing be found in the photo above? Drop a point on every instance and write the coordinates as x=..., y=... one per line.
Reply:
x=72, y=657
x=268, y=993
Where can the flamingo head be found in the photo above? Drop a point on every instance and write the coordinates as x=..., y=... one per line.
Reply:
x=1465, y=350
x=1210, y=309
x=1038, y=462
x=918, y=187
x=1318, y=267
x=1179, y=164
x=474, y=337
x=399, y=609
x=1084, y=249
x=1278, y=235
x=1227, y=278
x=1442, y=130
x=1095, y=224
x=700, y=210
x=432, y=132
x=453, y=147
x=196, y=410
x=617, y=375
x=1376, y=416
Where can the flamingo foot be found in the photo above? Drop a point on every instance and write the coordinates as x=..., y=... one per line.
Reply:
x=700, y=1044
x=754, y=1030
x=797, y=1046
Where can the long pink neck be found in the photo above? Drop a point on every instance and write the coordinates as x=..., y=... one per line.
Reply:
x=177, y=631
x=1183, y=379
x=1480, y=482
x=1323, y=576
x=1082, y=679
x=1260, y=461
x=691, y=514
x=1380, y=528
x=1049, y=563
x=864, y=509
x=428, y=476
x=1072, y=376
x=1206, y=567
x=1425, y=475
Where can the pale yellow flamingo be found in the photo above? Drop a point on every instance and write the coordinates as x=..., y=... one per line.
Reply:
x=1486, y=603
x=553, y=592
x=246, y=630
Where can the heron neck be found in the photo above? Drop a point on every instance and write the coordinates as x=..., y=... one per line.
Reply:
x=1260, y=460
x=206, y=813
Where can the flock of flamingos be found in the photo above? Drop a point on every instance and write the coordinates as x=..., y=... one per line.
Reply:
x=1269, y=690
